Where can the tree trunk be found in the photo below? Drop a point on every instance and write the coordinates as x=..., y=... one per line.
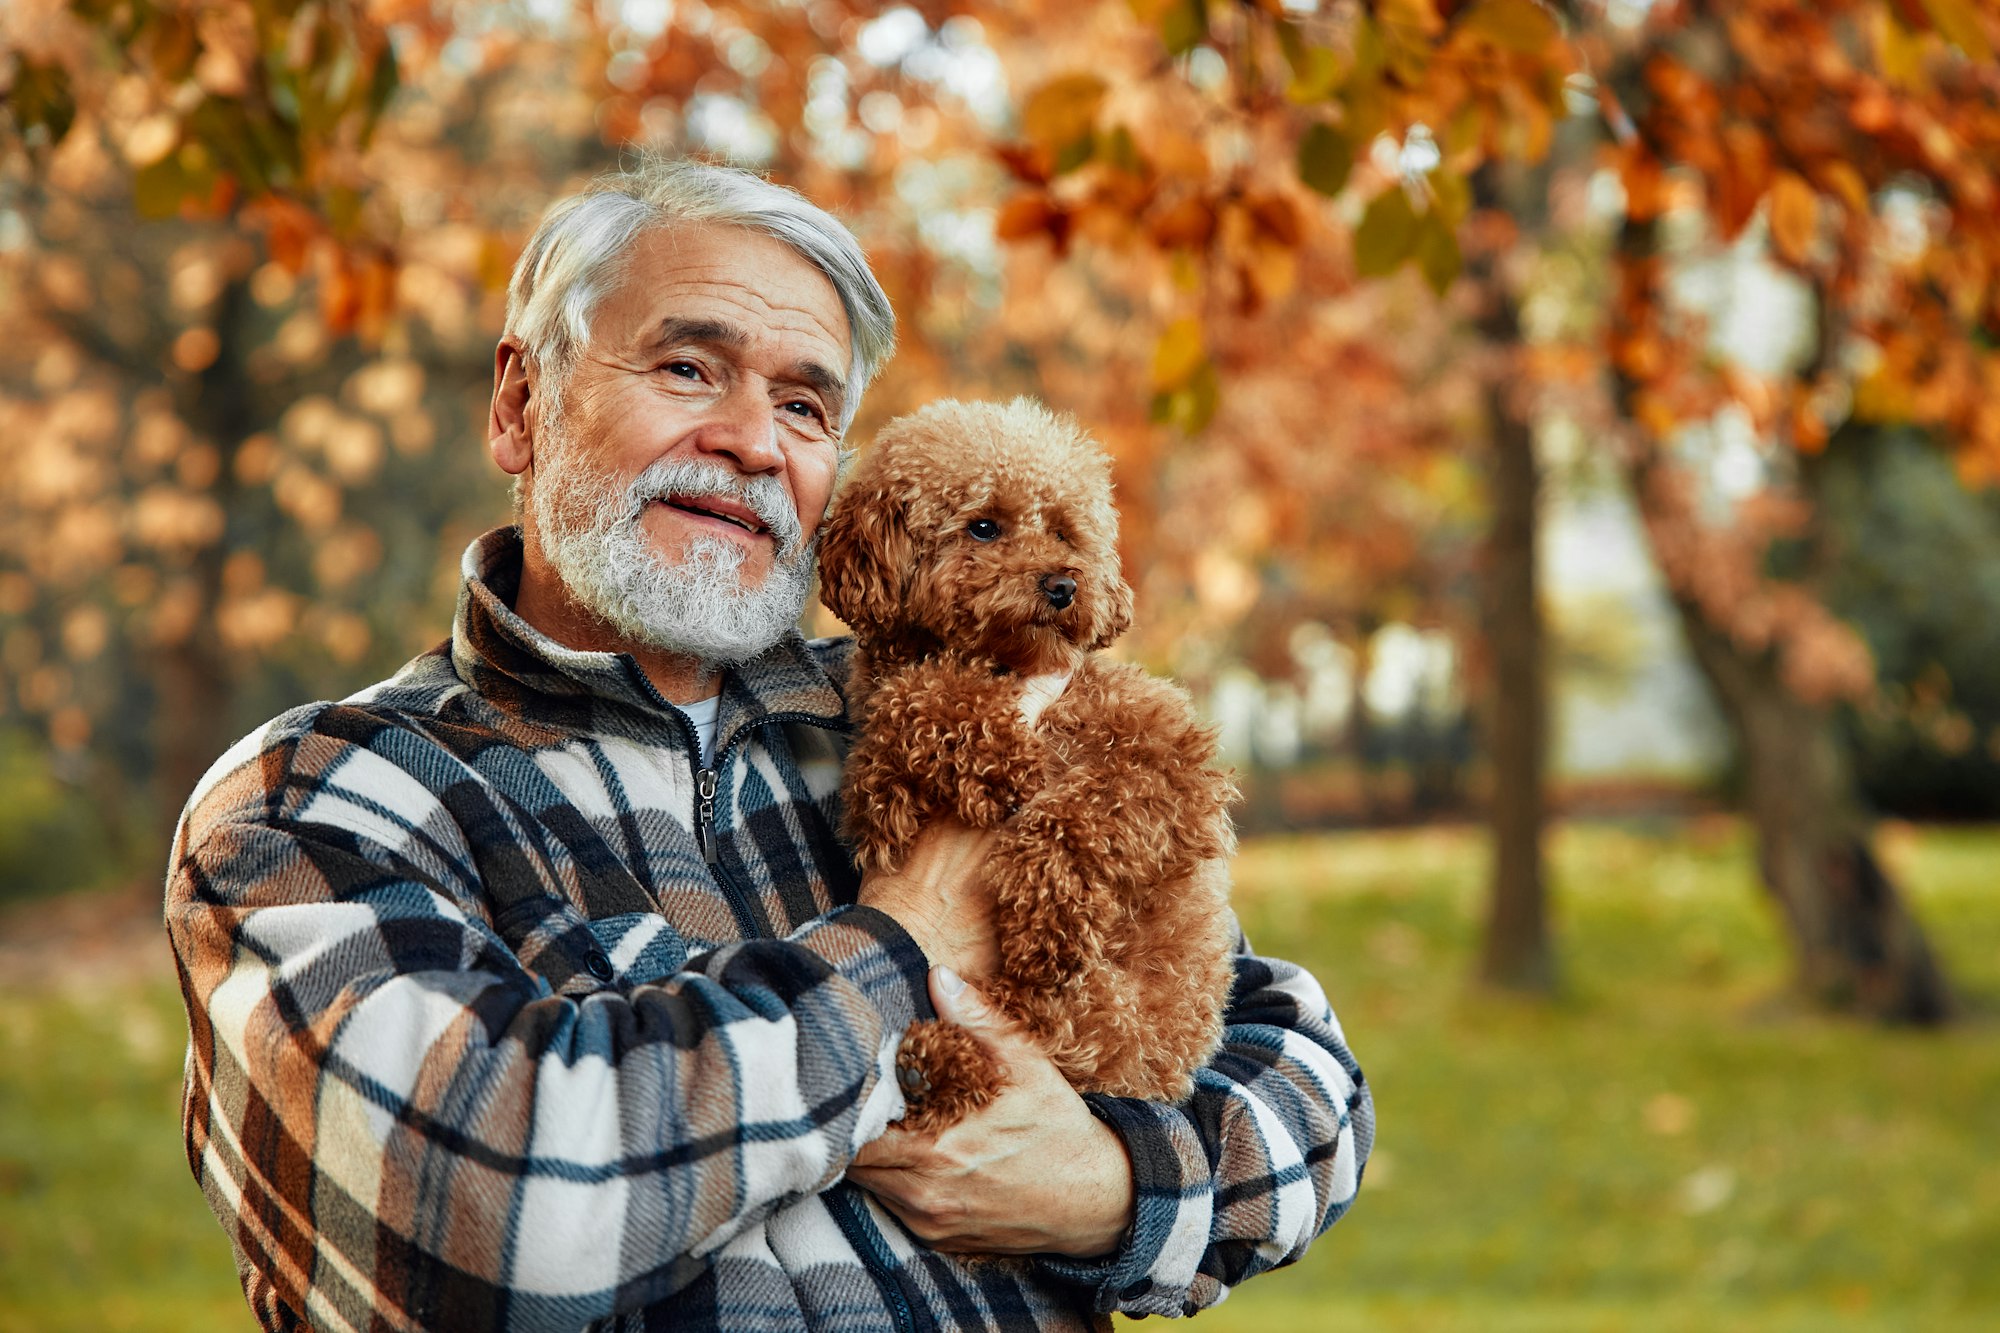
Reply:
x=1517, y=953
x=1856, y=944
x=1360, y=738
x=194, y=681
x=192, y=693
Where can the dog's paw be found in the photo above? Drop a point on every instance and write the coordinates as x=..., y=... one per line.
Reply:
x=946, y=1074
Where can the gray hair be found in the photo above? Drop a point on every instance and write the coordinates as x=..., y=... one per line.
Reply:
x=570, y=262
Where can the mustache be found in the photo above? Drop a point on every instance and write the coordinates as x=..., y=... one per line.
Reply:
x=763, y=496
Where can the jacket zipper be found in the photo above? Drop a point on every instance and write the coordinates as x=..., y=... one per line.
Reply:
x=705, y=780
x=704, y=832
x=704, y=812
x=704, y=819
x=849, y=1213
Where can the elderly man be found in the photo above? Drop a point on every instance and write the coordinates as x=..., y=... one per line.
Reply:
x=531, y=987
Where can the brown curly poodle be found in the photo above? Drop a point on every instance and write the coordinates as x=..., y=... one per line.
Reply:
x=974, y=552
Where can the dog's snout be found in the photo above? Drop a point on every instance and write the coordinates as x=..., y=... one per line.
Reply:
x=1060, y=589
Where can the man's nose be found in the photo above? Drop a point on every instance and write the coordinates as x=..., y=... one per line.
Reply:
x=740, y=427
x=1060, y=589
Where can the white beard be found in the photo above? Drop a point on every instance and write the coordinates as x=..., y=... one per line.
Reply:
x=698, y=607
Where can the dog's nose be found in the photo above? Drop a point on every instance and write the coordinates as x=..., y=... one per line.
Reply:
x=1060, y=589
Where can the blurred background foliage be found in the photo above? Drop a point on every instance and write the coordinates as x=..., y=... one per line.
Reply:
x=1520, y=409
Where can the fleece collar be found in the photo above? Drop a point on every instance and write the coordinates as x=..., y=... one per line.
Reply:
x=511, y=662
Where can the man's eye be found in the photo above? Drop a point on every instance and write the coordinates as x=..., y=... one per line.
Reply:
x=802, y=408
x=983, y=529
x=686, y=370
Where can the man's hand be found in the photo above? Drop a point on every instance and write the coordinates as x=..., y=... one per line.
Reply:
x=938, y=897
x=1033, y=1173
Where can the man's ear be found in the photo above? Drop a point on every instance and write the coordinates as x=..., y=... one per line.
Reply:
x=509, y=438
x=866, y=557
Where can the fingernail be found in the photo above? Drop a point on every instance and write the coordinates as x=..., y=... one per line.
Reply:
x=949, y=981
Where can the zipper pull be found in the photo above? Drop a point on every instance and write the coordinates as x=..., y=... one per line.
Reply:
x=705, y=818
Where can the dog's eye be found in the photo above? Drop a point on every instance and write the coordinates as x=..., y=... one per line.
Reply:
x=983, y=529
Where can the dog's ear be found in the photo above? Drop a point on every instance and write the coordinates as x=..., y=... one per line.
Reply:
x=866, y=558
x=1114, y=613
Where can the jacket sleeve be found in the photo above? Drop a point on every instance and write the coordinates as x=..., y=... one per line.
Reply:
x=402, y=1126
x=1266, y=1154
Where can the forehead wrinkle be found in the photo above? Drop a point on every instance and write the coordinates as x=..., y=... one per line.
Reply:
x=779, y=294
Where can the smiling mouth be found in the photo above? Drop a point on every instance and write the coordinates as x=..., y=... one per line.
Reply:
x=720, y=511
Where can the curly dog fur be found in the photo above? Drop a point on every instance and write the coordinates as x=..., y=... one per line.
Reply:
x=974, y=554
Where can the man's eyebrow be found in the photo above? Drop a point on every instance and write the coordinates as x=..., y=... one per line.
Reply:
x=710, y=332
x=822, y=381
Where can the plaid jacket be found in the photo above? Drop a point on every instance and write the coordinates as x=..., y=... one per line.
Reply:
x=504, y=1014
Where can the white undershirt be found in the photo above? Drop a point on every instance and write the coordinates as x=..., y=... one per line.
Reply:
x=703, y=713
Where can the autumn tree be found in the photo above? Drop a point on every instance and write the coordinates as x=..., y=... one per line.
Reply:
x=256, y=252
x=168, y=179
x=1856, y=137
x=1216, y=226
x=1856, y=142
x=1247, y=173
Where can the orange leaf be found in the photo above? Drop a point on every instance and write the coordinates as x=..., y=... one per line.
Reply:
x=375, y=296
x=1187, y=223
x=1277, y=218
x=1794, y=216
x=1652, y=412
x=1809, y=432
x=1844, y=181
x=1872, y=111
x=1023, y=216
x=1271, y=270
x=289, y=233
x=1744, y=175
x=1645, y=183
x=1025, y=162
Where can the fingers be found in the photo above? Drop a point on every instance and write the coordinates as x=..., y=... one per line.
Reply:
x=933, y=1210
x=878, y=1181
x=895, y=1148
x=961, y=1003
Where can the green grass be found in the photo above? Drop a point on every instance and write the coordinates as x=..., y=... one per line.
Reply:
x=101, y=1225
x=1670, y=1145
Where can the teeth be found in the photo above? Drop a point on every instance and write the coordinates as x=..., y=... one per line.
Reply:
x=726, y=518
